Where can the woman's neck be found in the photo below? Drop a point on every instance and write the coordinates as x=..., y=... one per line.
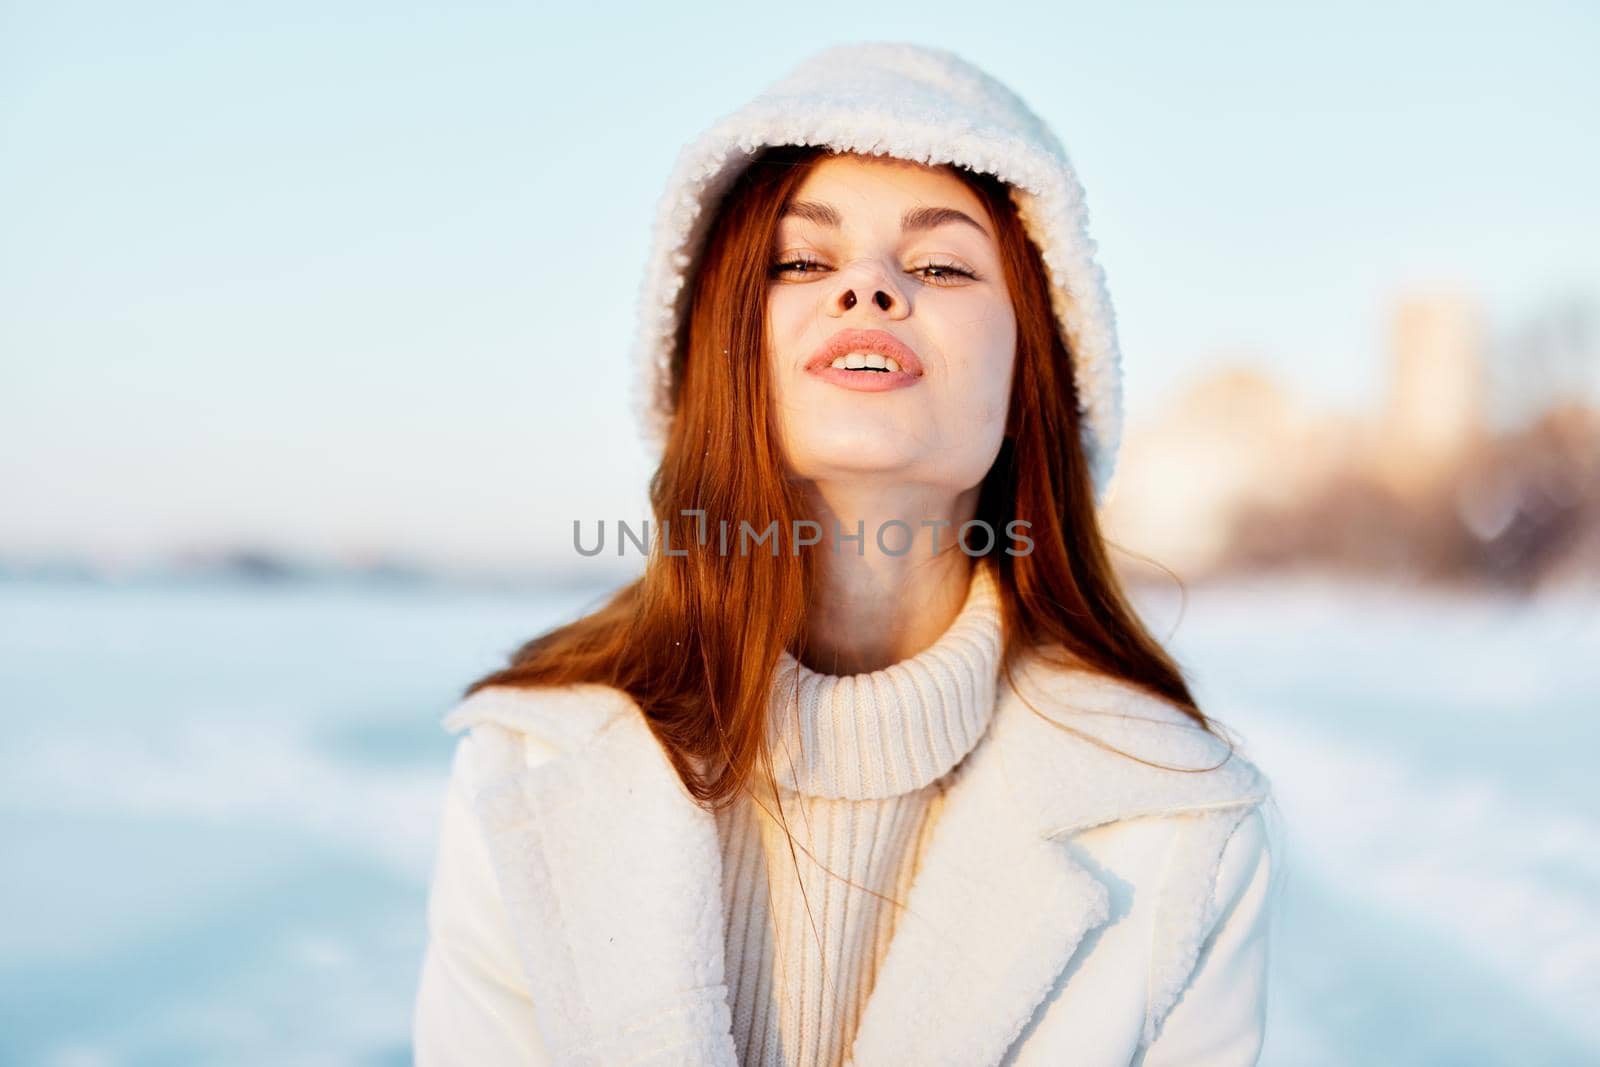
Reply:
x=871, y=607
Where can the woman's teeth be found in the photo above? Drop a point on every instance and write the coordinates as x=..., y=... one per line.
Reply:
x=866, y=361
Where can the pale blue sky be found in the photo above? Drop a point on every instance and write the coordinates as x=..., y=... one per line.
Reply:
x=343, y=277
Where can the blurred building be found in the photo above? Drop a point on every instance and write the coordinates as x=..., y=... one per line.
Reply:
x=1435, y=408
x=1233, y=438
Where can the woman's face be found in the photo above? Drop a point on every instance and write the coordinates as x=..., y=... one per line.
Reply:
x=897, y=260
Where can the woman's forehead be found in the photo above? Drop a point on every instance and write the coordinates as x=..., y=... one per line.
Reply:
x=848, y=182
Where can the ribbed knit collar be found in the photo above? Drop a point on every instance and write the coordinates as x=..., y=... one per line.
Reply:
x=894, y=730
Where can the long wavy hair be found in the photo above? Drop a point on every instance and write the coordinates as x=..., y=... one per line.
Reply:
x=695, y=640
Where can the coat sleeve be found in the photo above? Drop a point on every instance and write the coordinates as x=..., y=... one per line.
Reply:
x=1220, y=1018
x=472, y=1005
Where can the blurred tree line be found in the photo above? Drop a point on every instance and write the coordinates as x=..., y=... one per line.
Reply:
x=1520, y=509
x=1517, y=506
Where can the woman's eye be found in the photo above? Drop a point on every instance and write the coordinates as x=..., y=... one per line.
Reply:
x=799, y=264
x=943, y=273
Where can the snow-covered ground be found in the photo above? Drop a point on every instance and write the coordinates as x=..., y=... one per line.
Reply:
x=217, y=808
x=1433, y=767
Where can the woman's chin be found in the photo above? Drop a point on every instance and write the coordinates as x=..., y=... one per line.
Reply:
x=865, y=451
x=855, y=472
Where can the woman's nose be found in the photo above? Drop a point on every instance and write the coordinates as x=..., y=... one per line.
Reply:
x=848, y=299
x=853, y=287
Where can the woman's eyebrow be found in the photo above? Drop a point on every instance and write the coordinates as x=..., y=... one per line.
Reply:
x=917, y=218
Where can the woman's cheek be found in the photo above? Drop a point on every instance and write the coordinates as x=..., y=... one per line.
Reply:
x=984, y=388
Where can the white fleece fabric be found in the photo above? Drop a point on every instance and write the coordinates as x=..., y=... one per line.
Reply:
x=860, y=762
x=913, y=102
x=1068, y=905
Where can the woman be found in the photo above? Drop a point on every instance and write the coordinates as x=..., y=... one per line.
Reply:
x=874, y=764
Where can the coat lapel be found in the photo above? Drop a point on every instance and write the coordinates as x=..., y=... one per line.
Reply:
x=996, y=910
x=993, y=914
x=1000, y=905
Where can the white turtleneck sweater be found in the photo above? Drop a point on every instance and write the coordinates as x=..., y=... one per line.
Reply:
x=861, y=762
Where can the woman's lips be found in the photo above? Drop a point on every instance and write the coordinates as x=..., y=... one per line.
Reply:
x=866, y=381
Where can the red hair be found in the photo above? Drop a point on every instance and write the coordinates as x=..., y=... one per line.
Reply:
x=696, y=638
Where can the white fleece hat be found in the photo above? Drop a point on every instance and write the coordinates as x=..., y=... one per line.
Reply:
x=912, y=102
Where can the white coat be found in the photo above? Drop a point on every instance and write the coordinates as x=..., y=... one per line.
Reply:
x=1074, y=906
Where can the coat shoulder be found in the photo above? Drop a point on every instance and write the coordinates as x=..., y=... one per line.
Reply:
x=561, y=718
x=1115, y=750
x=1100, y=704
